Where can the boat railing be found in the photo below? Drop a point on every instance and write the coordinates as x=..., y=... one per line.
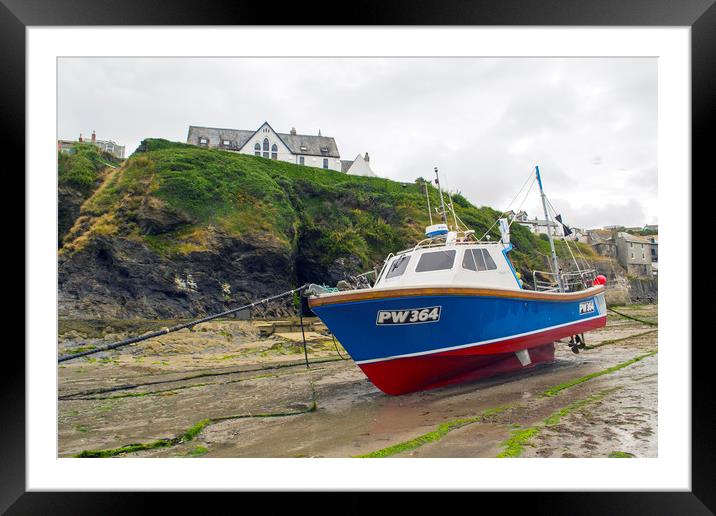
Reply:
x=382, y=270
x=573, y=280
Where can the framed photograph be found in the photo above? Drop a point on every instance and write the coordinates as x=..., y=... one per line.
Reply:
x=418, y=253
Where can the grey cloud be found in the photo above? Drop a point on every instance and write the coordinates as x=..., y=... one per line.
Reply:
x=485, y=122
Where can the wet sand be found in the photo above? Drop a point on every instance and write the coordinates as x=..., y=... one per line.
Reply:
x=259, y=398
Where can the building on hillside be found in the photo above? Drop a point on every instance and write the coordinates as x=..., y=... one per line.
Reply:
x=654, y=239
x=633, y=253
x=651, y=227
x=302, y=149
x=358, y=167
x=67, y=146
x=519, y=217
x=540, y=226
x=605, y=248
x=578, y=235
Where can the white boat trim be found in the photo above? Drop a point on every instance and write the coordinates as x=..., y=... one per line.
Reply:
x=480, y=343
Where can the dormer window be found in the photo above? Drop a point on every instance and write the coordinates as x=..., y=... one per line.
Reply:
x=203, y=140
x=324, y=149
x=226, y=143
x=304, y=148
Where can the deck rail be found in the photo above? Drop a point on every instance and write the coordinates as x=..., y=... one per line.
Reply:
x=573, y=280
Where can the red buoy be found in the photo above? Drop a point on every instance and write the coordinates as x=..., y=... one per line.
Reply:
x=600, y=280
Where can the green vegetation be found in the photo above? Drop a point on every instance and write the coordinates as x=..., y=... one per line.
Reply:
x=82, y=169
x=437, y=434
x=552, y=391
x=78, y=176
x=514, y=446
x=197, y=451
x=316, y=215
x=189, y=435
x=620, y=455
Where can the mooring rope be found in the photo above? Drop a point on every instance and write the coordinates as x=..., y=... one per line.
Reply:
x=335, y=345
x=178, y=327
x=650, y=323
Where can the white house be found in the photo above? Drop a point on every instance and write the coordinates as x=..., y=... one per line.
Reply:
x=358, y=167
x=301, y=149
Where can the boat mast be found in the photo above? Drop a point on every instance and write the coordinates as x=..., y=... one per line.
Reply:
x=430, y=213
x=442, y=201
x=549, y=233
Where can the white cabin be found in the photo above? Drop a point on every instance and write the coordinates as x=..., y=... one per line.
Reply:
x=468, y=264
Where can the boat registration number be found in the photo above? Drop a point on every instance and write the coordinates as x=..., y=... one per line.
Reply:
x=586, y=307
x=412, y=316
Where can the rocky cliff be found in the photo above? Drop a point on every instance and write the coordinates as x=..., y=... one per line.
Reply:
x=179, y=231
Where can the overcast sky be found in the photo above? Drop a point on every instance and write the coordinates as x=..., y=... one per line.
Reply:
x=590, y=124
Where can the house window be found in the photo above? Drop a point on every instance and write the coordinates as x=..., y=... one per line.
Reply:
x=266, y=148
x=226, y=143
x=632, y=256
x=203, y=141
x=438, y=261
x=304, y=148
x=257, y=150
x=301, y=160
x=325, y=162
x=274, y=151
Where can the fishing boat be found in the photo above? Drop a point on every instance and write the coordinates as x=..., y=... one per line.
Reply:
x=454, y=309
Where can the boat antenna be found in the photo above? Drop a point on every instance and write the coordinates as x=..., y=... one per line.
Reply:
x=452, y=206
x=442, y=201
x=430, y=213
x=549, y=233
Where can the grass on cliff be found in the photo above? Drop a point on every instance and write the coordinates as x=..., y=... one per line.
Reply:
x=322, y=215
x=82, y=169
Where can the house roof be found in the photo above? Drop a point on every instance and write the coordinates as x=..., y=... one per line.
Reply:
x=296, y=143
x=633, y=238
x=346, y=164
x=237, y=137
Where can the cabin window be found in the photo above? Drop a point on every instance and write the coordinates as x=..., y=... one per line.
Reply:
x=478, y=260
x=274, y=151
x=257, y=150
x=436, y=261
x=398, y=266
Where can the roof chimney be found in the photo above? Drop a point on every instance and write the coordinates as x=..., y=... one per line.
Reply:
x=367, y=158
x=80, y=140
x=319, y=132
x=293, y=131
x=94, y=137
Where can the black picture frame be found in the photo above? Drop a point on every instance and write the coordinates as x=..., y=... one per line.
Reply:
x=700, y=15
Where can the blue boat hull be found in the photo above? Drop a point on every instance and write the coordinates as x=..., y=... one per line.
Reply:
x=413, y=339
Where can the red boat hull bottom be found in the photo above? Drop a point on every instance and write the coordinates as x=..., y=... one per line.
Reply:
x=410, y=374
